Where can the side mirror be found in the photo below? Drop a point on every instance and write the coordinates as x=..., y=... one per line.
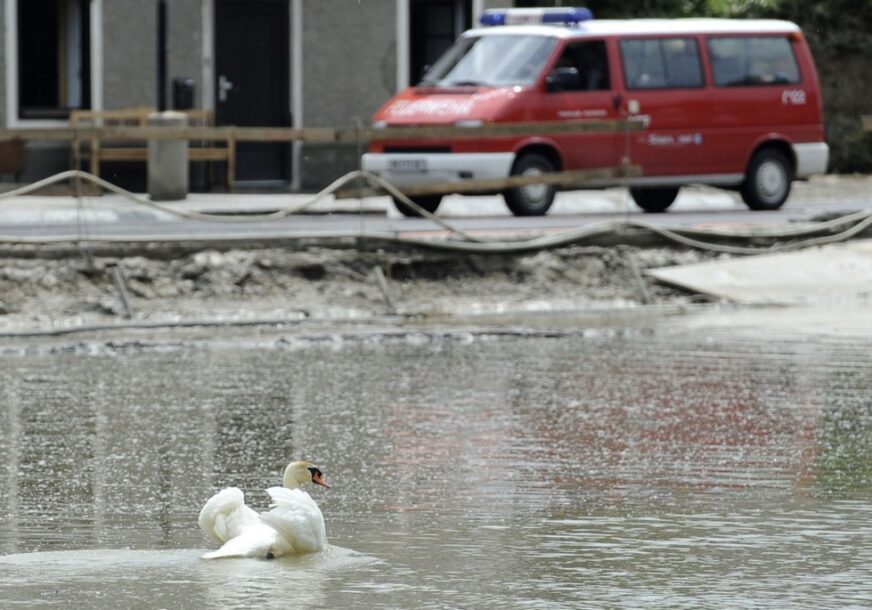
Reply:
x=563, y=79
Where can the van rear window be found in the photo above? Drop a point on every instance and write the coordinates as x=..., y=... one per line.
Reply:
x=661, y=63
x=766, y=60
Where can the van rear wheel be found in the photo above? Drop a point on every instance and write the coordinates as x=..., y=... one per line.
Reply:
x=429, y=203
x=767, y=183
x=531, y=199
x=654, y=200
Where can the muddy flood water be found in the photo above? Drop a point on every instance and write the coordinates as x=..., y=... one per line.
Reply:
x=650, y=467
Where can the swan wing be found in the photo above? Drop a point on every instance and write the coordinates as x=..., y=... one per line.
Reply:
x=225, y=515
x=255, y=540
x=297, y=519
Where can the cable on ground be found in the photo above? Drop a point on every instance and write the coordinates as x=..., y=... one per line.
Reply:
x=831, y=231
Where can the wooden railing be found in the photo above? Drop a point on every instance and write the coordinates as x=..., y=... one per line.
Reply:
x=90, y=134
x=93, y=141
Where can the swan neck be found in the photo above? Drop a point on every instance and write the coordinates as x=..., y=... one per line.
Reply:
x=291, y=478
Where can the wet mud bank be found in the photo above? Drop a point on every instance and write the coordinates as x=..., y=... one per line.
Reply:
x=322, y=283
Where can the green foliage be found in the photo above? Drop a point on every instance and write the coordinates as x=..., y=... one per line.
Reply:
x=850, y=147
x=834, y=26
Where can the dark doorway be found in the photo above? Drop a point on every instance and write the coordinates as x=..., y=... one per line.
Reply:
x=252, y=81
x=434, y=25
x=54, y=58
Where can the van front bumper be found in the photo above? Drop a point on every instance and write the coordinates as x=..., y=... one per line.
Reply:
x=811, y=158
x=412, y=169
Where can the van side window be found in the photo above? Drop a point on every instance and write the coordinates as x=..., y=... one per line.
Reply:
x=661, y=63
x=590, y=61
x=758, y=60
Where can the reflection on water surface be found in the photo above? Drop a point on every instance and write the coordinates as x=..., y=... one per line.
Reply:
x=628, y=470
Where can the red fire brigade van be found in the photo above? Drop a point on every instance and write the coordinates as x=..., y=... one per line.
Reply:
x=730, y=103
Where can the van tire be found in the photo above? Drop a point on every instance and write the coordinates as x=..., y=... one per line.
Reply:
x=768, y=180
x=533, y=199
x=654, y=200
x=430, y=203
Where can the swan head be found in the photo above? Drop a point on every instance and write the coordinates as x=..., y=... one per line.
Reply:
x=299, y=473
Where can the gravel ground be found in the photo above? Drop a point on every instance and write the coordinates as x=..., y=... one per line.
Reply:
x=328, y=284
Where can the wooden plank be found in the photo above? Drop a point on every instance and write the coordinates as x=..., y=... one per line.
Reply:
x=55, y=133
x=141, y=154
x=123, y=154
x=131, y=116
x=322, y=135
x=491, y=130
x=209, y=154
x=567, y=179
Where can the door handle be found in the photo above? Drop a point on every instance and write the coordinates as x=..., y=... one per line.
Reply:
x=224, y=86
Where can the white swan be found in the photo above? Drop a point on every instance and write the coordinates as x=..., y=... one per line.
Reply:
x=294, y=525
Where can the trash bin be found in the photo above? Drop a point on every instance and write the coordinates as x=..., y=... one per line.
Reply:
x=183, y=93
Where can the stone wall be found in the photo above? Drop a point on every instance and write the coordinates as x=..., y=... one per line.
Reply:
x=130, y=50
x=2, y=64
x=349, y=70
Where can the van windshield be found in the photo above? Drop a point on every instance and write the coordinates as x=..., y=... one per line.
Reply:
x=491, y=61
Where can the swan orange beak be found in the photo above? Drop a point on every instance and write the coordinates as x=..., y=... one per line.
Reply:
x=317, y=479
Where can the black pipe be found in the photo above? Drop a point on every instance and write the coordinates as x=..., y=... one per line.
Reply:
x=161, y=55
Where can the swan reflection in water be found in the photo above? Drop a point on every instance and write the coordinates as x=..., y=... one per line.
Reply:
x=172, y=578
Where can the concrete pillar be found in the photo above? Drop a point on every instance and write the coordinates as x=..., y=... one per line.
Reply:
x=167, y=160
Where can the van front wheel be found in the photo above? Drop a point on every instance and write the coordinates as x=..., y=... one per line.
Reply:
x=429, y=203
x=531, y=199
x=654, y=200
x=767, y=183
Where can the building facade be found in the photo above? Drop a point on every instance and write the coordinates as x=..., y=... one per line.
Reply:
x=299, y=63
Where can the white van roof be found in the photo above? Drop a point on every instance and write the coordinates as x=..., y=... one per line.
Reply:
x=637, y=27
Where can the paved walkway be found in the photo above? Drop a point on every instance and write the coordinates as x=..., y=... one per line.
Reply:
x=837, y=274
x=110, y=208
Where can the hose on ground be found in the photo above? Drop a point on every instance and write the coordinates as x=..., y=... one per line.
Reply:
x=798, y=237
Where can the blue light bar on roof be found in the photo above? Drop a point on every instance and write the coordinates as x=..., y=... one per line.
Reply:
x=517, y=16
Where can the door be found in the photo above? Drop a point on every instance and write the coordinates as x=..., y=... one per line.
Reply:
x=666, y=87
x=252, y=81
x=579, y=87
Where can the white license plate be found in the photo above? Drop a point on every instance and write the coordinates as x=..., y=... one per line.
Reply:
x=408, y=166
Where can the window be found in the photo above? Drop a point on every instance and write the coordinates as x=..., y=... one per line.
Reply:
x=590, y=61
x=668, y=63
x=53, y=58
x=753, y=61
x=493, y=60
